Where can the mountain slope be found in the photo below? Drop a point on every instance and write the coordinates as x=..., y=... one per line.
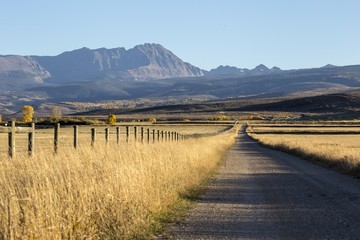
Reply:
x=112, y=74
x=20, y=71
x=143, y=62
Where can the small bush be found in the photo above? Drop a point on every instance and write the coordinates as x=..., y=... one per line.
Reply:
x=222, y=118
x=152, y=120
x=186, y=120
x=111, y=119
x=257, y=117
x=70, y=121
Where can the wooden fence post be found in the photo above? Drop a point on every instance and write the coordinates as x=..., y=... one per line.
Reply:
x=31, y=141
x=162, y=136
x=76, y=133
x=11, y=140
x=56, y=137
x=142, y=135
x=158, y=135
x=127, y=133
x=153, y=135
x=168, y=135
x=135, y=133
x=106, y=135
x=148, y=135
x=118, y=135
x=93, y=136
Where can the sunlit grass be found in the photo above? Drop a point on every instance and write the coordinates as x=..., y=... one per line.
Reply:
x=105, y=192
x=337, y=151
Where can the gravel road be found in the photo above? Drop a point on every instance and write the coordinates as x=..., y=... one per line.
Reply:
x=266, y=194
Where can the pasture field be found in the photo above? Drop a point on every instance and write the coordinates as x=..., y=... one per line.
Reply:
x=107, y=191
x=44, y=138
x=337, y=147
x=305, y=129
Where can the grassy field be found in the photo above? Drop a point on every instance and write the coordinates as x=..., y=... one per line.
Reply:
x=105, y=192
x=307, y=129
x=339, y=151
x=44, y=138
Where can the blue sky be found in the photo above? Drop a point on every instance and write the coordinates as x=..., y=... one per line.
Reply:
x=207, y=33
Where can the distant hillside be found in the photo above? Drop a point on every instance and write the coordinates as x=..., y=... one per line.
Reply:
x=340, y=106
x=331, y=103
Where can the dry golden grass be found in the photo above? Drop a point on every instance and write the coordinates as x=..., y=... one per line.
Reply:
x=105, y=192
x=44, y=138
x=278, y=128
x=337, y=151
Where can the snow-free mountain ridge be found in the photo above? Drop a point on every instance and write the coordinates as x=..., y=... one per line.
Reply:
x=143, y=62
x=150, y=71
x=231, y=70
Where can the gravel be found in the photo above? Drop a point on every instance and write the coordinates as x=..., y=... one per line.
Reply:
x=261, y=193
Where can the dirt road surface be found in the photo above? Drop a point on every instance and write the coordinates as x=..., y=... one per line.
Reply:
x=266, y=194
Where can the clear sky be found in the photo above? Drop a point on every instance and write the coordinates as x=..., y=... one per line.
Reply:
x=206, y=33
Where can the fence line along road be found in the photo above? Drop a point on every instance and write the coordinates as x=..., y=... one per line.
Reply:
x=159, y=135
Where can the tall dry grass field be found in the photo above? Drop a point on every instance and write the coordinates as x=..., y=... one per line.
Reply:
x=338, y=151
x=105, y=192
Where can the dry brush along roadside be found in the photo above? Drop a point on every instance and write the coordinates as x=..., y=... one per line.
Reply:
x=105, y=191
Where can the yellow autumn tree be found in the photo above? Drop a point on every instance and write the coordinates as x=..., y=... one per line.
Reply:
x=152, y=120
x=28, y=112
x=111, y=119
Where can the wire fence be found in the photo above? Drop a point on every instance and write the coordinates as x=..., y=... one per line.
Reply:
x=32, y=139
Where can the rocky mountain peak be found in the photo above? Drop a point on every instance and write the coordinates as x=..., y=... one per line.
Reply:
x=275, y=69
x=329, y=66
x=261, y=68
x=143, y=62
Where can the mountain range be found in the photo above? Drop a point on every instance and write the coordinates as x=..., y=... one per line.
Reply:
x=153, y=72
x=231, y=70
x=143, y=62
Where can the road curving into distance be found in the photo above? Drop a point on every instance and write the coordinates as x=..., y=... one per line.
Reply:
x=261, y=193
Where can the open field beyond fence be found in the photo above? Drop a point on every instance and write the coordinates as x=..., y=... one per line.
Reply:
x=108, y=191
x=44, y=137
x=334, y=146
